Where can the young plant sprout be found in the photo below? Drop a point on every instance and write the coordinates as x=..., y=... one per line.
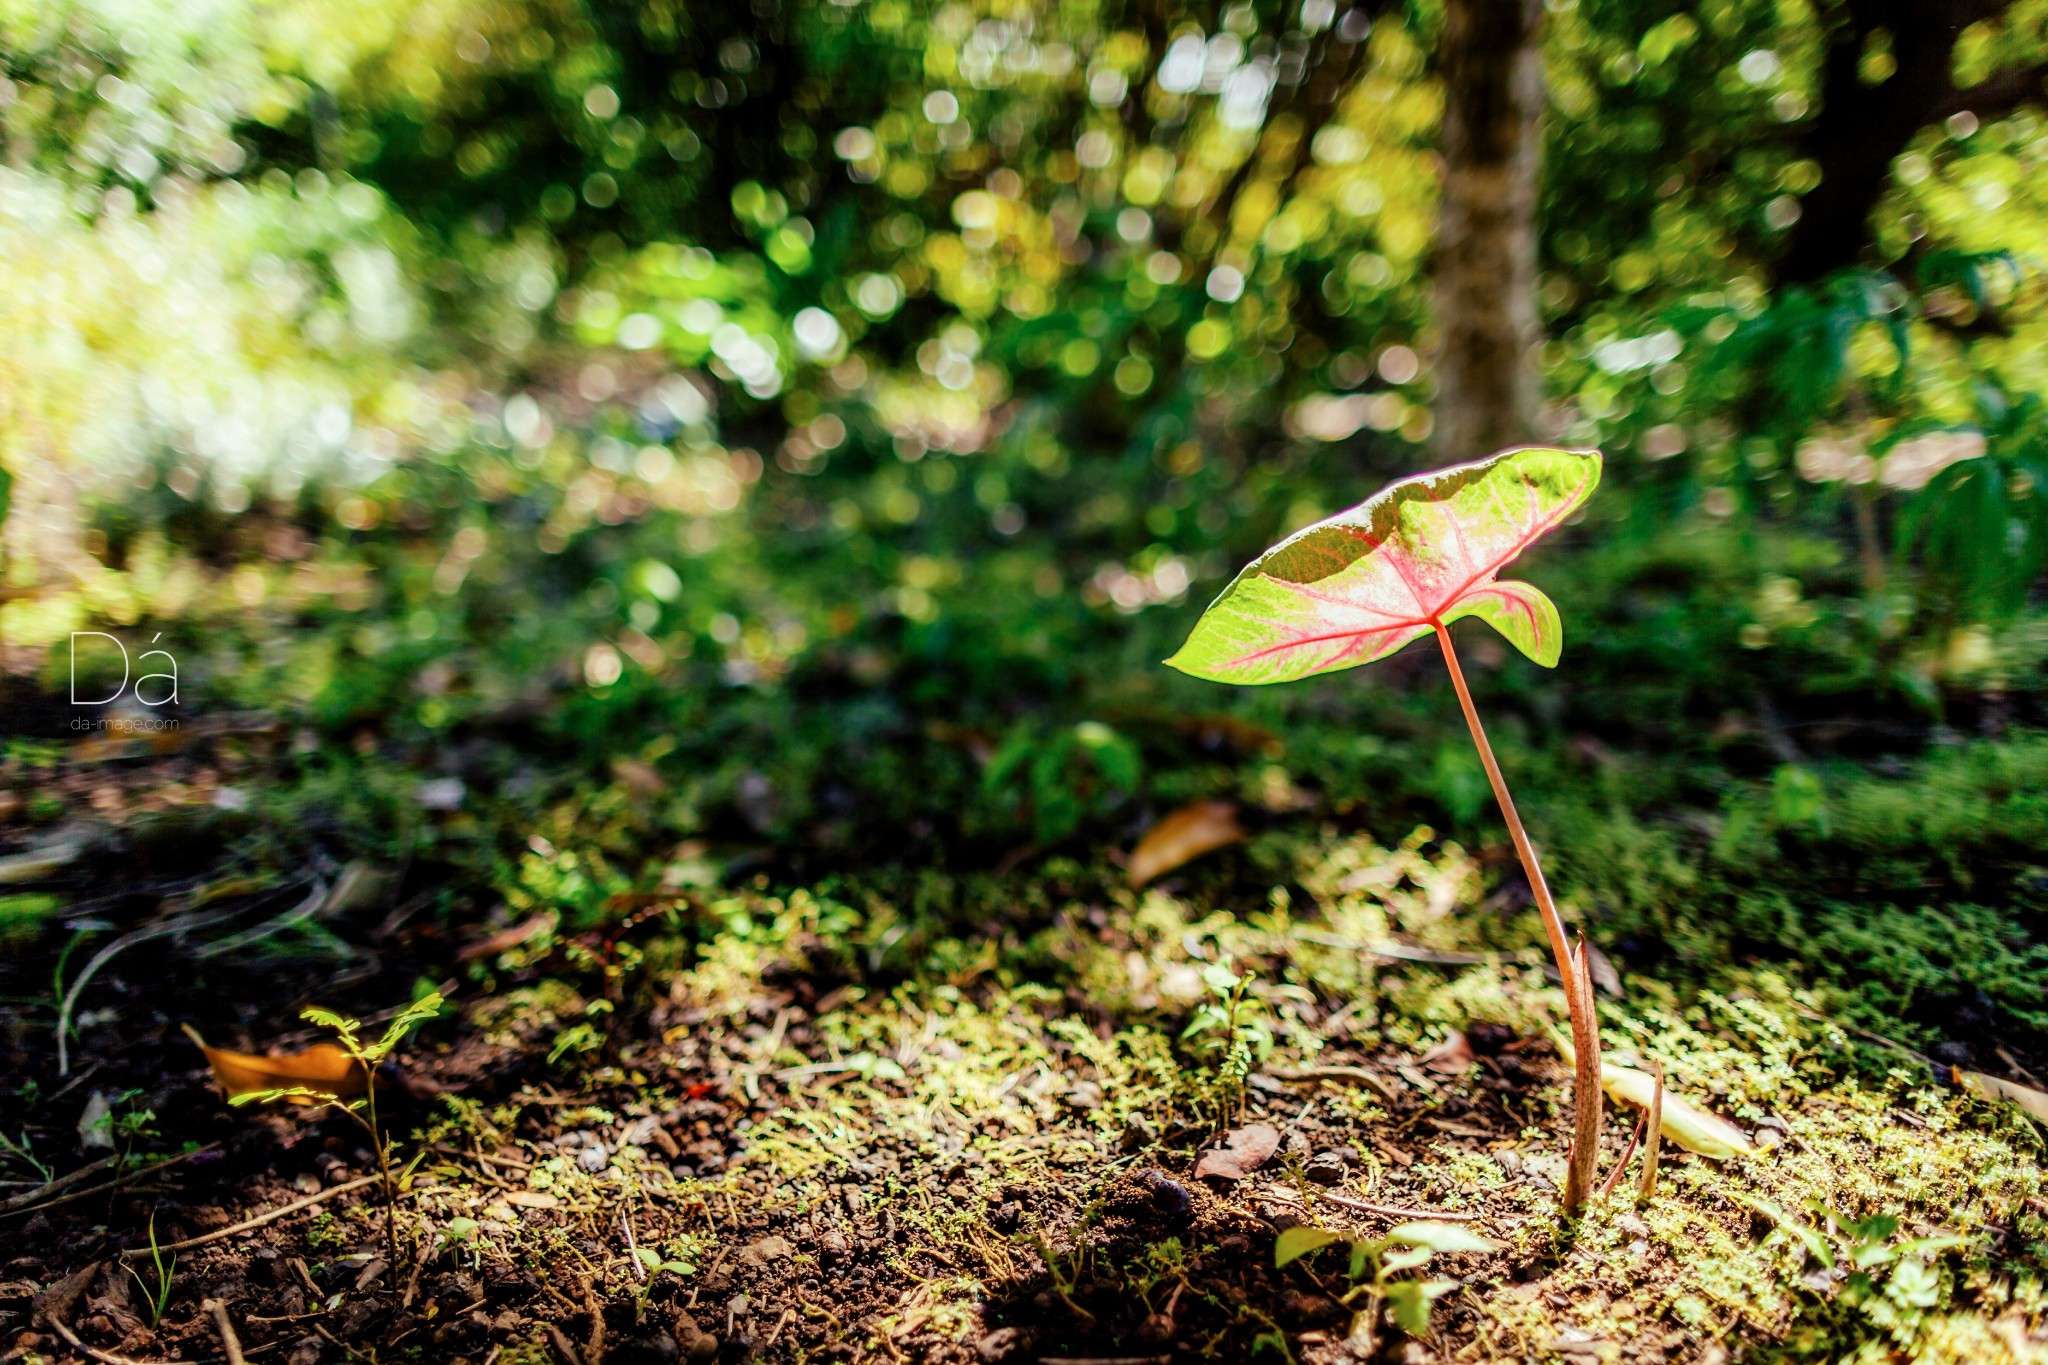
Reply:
x=1419, y=555
x=343, y=1096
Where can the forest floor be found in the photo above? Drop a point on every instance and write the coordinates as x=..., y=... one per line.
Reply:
x=742, y=1120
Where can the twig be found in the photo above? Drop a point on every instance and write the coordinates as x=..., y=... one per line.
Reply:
x=128, y=1179
x=1388, y=1210
x=1400, y=952
x=57, y=1301
x=22, y=1201
x=1372, y=1080
x=315, y=901
x=106, y=1357
x=258, y=1221
x=506, y=1162
x=176, y=924
x=350, y=1351
x=593, y=1348
x=229, y=1342
x=412, y=1281
x=632, y=1247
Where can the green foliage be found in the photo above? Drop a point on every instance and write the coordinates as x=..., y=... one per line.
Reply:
x=23, y=914
x=1896, y=1284
x=1904, y=894
x=156, y=1291
x=368, y=1055
x=1374, y=1264
x=1232, y=1028
x=1081, y=772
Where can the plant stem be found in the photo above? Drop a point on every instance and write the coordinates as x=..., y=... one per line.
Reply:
x=1578, y=999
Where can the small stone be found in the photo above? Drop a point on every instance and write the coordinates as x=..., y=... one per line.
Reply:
x=658, y=1349
x=1138, y=1134
x=1325, y=1168
x=1005, y=1343
x=1173, y=1200
x=1156, y=1330
x=766, y=1251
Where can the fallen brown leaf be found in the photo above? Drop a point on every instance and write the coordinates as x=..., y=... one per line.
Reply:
x=1452, y=1056
x=1244, y=1150
x=323, y=1067
x=638, y=778
x=490, y=945
x=1183, y=836
x=1984, y=1087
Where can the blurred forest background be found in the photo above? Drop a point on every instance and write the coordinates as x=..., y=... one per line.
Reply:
x=840, y=408
x=619, y=447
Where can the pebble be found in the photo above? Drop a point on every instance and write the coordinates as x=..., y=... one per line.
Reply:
x=766, y=1251
x=1325, y=1168
x=1175, y=1204
x=1000, y=1345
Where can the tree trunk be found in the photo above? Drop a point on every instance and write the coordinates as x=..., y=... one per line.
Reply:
x=1487, y=381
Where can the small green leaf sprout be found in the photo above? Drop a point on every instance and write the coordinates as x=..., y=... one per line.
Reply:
x=1373, y=1267
x=363, y=1109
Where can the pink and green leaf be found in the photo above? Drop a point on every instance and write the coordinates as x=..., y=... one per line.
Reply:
x=1419, y=554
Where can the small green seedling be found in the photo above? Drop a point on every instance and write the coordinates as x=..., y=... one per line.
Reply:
x=363, y=1108
x=651, y=1259
x=1408, y=562
x=24, y=1152
x=156, y=1298
x=1373, y=1266
x=1239, y=1022
x=1892, y=1282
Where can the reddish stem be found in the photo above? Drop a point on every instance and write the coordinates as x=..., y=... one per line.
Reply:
x=1560, y=946
x=1578, y=993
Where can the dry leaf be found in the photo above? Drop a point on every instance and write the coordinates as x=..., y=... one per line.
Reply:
x=1244, y=1150
x=1991, y=1088
x=1605, y=979
x=532, y=1199
x=323, y=1067
x=638, y=778
x=490, y=945
x=1451, y=1056
x=1183, y=836
x=1693, y=1129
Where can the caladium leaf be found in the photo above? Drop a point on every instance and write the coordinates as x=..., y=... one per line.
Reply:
x=1419, y=554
